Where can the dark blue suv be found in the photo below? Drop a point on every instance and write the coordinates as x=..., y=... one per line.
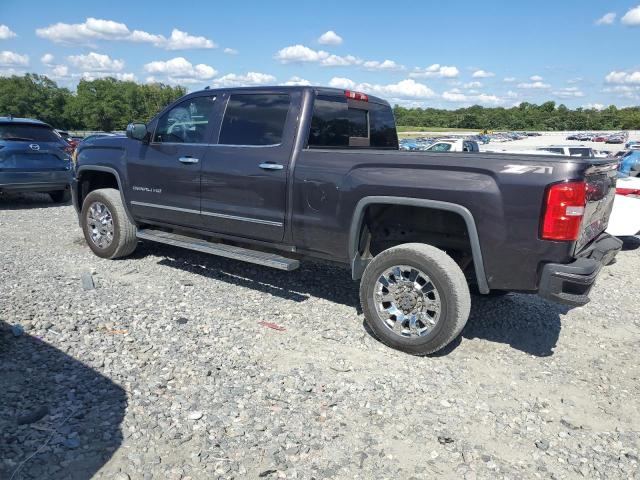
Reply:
x=34, y=158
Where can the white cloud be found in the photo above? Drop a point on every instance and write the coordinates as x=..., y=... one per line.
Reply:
x=593, y=106
x=6, y=33
x=251, y=78
x=472, y=85
x=95, y=62
x=300, y=53
x=570, y=92
x=338, y=61
x=47, y=59
x=179, y=70
x=632, y=17
x=623, y=77
x=482, y=74
x=99, y=29
x=125, y=77
x=389, y=65
x=180, y=40
x=230, y=51
x=60, y=71
x=303, y=54
x=404, y=89
x=297, y=81
x=12, y=59
x=509, y=79
x=456, y=96
x=341, y=82
x=536, y=78
x=435, y=71
x=330, y=38
x=534, y=85
x=607, y=19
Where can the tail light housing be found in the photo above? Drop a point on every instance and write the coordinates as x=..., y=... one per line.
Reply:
x=563, y=211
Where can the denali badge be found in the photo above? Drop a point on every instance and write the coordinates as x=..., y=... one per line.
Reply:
x=146, y=189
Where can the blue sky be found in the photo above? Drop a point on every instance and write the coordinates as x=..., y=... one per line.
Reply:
x=441, y=54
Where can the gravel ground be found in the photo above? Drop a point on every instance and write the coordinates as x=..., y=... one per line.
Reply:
x=164, y=371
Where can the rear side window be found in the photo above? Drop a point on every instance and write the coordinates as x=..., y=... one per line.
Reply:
x=554, y=150
x=186, y=122
x=336, y=124
x=254, y=119
x=28, y=133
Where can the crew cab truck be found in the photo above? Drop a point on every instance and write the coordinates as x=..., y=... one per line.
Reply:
x=274, y=175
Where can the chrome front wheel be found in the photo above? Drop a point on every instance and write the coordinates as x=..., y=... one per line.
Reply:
x=100, y=223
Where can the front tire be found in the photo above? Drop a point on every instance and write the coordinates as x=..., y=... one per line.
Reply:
x=415, y=298
x=106, y=227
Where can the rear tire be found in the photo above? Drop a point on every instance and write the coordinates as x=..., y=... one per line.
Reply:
x=106, y=227
x=60, y=196
x=444, y=307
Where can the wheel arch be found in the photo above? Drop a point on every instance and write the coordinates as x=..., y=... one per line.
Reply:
x=358, y=264
x=79, y=194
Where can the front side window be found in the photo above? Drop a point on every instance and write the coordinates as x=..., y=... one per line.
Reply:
x=254, y=119
x=580, y=152
x=186, y=122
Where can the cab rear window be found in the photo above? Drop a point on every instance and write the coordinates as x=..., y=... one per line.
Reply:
x=26, y=132
x=337, y=123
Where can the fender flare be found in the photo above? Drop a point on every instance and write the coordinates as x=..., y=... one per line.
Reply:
x=114, y=172
x=358, y=264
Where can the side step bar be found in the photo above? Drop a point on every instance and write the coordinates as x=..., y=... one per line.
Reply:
x=229, y=251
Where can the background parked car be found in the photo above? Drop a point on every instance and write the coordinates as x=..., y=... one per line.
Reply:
x=34, y=158
x=454, y=145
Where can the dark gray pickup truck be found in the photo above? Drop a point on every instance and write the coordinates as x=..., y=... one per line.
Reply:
x=272, y=175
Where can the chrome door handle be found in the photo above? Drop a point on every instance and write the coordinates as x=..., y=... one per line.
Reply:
x=188, y=160
x=271, y=166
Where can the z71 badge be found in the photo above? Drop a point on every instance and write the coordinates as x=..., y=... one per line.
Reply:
x=520, y=169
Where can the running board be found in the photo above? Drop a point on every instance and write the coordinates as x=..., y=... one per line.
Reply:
x=222, y=250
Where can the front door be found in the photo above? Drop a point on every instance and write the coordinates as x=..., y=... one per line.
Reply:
x=164, y=175
x=244, y=176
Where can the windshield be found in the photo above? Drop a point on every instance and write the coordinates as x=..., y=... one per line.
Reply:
x=27, y=133
x=440, y=147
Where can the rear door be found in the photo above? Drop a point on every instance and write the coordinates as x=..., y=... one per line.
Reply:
x=164, y=175
x=244, y=176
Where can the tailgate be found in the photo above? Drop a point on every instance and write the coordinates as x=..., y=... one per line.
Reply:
x=601, y=190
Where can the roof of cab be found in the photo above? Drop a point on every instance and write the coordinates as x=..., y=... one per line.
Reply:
x=288, y=88
x=32, y=121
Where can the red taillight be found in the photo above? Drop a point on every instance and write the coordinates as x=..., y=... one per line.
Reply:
x=564, y=210
x=628, y=191
x=356, y=96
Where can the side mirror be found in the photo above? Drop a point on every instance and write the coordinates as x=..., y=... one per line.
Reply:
x=137, y=131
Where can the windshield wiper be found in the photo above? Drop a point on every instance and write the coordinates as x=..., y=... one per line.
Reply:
x=18, y=138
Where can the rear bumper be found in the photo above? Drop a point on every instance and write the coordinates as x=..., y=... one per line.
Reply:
x=571, y=283
x=46, y=181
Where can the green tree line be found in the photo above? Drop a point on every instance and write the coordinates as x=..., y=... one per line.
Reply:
x=526, y=116
x=105, y=104
x=109, y=104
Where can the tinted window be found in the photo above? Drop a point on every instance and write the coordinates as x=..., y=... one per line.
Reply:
x=336, y=124
x=186, y=122
x=28, y=133
x=254, y=119
x=553, y=150
x=383, y=127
